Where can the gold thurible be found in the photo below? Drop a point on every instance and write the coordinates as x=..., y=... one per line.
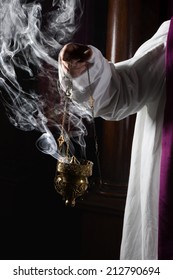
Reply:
x=71, y=178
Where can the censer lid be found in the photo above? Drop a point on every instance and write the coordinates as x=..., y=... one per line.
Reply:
x=76, y=167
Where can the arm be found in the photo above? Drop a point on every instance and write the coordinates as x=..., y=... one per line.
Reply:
x=123, y=88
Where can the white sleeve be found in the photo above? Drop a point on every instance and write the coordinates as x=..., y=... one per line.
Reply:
x=122, y=89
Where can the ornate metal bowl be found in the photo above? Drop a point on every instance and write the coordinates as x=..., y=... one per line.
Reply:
x=71, y=180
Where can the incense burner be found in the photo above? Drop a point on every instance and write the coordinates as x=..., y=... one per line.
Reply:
x=71, y=180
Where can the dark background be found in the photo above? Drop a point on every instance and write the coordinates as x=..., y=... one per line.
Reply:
x=34, y=223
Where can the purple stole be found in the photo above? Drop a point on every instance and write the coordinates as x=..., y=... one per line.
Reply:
x=165, y=243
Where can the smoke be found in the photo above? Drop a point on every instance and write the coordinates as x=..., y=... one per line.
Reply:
x=31, y=36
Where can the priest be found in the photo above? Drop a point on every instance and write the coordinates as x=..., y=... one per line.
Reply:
x=142, y=85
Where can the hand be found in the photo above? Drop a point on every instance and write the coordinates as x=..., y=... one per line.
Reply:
x=74, y=58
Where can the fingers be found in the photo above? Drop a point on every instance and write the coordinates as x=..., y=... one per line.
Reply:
x=73, y=58
x=66, y=52
x=76, y=52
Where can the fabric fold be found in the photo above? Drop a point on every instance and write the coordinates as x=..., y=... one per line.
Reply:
x=165, y=239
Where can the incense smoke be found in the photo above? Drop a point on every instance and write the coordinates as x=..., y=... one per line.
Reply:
x=31, y=35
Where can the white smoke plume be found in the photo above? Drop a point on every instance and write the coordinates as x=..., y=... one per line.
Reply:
x=31, y=35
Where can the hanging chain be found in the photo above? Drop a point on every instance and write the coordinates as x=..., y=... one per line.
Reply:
x=61, y=140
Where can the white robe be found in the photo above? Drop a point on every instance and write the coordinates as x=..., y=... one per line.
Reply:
x=133, y=86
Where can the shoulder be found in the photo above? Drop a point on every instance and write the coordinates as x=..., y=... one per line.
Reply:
x=159, y=39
